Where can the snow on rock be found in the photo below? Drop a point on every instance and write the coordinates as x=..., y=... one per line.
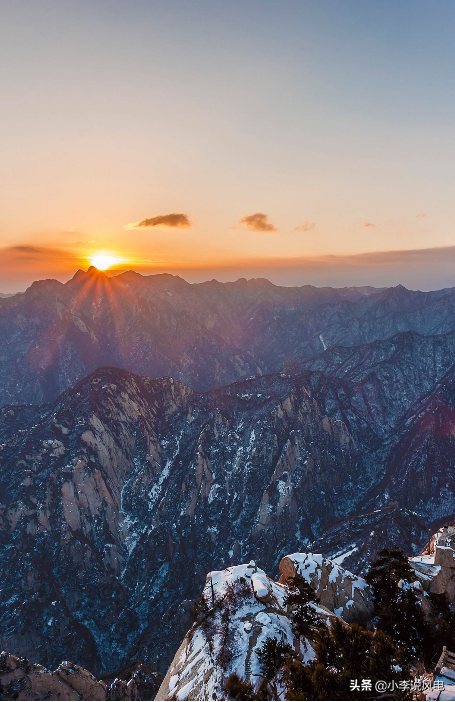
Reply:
x=343, y=556
x=260, y=586
x=244, y=608
x=337, y=588
x=435, y=566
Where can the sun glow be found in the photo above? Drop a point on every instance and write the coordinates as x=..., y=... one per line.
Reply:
x=104, y=262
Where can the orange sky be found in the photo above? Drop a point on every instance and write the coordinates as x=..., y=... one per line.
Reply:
x=277, y=133
x=426, y=269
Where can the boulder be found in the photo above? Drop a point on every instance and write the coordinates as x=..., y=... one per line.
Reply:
x=339, y=590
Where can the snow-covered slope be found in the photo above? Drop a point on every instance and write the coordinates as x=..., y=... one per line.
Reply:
x=245, y=607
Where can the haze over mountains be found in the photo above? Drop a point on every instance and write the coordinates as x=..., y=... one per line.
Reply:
x=205, y=335
x=118, y=496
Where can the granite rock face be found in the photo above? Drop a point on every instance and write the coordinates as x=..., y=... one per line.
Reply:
x=117, y=499
x=435, y=565
x=337, y=589
x=244, y=608
x=22, y=680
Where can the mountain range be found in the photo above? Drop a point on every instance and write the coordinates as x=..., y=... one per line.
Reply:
x=205, y=335
x=119, y=494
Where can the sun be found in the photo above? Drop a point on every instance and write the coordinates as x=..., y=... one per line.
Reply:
x=103, y=262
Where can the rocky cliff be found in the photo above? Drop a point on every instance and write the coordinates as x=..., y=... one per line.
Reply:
x=110, y=494
x=125, y=483
x=22, y=680
x=245, y=607
x=337, y=589
x=435, y=565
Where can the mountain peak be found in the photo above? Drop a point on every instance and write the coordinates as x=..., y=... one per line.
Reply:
x=43, y=286
x=91, y=272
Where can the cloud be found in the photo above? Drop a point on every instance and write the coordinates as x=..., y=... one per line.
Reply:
x=176, y=220
x=24, y=252
x=258, y=222
x=307, y=226
x=421, y=214
x=20, y=265
x=369, y=224
x=51, y=256
x=48, y=255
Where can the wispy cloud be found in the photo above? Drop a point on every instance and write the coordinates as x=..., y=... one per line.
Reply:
x=421, y=214
x=307, y=226
x=176, y=220
x=26, y=252
x=369, y=224
x=258, y=222
x=24, y=263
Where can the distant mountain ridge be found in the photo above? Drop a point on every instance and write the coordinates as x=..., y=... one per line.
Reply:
x=205, y=335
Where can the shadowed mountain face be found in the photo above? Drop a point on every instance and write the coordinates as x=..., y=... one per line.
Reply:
x=205, y=335
x=120, y=496
x=388, y=376
x=118, y=499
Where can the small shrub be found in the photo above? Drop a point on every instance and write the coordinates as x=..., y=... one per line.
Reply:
x=238, y=689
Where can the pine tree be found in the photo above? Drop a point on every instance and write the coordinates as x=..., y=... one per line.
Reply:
x=238, y=689
x=343, y=654
x=397, y=610
x=300, y=599
x=443, y=625
x=385, y=574
x=272, y=656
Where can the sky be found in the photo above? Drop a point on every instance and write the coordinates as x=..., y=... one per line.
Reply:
x=299, y=140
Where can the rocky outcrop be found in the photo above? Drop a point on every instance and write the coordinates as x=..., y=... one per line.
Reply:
x=22, y=680
x=243, y=607
x=435, y=565
x=342, y=592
